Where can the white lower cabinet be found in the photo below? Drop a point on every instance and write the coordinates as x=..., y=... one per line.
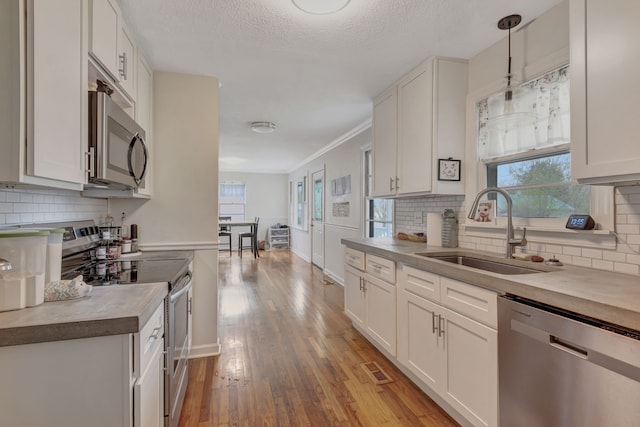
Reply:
x=354, y=296
x=148, y=394
x=106, y=381
x=381, y=312
x=454, y=353
x=369, y=300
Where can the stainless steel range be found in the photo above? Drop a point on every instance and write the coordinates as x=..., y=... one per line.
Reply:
x=83, y=254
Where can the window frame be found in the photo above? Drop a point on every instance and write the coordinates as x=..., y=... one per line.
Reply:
x=234, y=217
x=369, y=222
x=298, y=201
x=601, y=198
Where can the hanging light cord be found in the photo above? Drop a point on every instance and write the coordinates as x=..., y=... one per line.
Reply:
x=507, y=23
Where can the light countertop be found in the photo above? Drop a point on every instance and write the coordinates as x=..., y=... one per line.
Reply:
x=107, y=310
x=611, y=297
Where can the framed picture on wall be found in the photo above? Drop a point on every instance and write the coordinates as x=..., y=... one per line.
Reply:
x=449, y=169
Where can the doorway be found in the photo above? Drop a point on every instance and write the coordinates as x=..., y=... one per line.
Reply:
x=317, y=219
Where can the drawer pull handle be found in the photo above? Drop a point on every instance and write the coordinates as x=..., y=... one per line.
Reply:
x=155, y=334
x=433, y=323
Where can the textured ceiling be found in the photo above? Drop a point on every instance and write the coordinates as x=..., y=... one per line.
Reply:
x=314, y=76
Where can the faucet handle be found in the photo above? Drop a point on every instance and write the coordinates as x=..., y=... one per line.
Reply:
x=523, y=241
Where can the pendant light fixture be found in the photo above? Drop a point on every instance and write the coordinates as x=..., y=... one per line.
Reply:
x=320, y=7
x=507, y=23
x=511, y=119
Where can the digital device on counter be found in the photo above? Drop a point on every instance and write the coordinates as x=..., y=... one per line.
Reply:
x=580, y=222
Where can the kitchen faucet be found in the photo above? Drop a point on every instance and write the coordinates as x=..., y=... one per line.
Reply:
x=512, y=242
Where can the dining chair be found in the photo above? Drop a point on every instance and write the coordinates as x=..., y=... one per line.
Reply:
x=225, y=230
x=253, y=235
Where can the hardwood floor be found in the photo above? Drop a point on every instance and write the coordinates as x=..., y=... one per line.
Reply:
x=290, y=357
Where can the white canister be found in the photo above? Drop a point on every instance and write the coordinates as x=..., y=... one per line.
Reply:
x=23, y=285
x=54, y=255
x=434, y=229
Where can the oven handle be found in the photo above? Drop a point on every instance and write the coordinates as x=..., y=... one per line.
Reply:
x=182, y=290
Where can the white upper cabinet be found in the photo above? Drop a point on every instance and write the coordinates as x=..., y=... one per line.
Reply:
x=43, y=75
x=385, y=137
x=103, y=36
x=605, y=61
x=127, y=60
x=416, y=122
x=112, y=45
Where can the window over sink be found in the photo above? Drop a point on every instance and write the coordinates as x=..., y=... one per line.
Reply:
x=524, y=147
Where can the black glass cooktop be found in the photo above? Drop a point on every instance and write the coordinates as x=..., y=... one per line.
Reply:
x=125, y=272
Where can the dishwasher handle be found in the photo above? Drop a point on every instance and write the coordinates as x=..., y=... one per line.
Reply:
x=568, y=347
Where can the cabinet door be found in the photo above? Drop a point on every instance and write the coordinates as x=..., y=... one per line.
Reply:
x=385, y=125
x=381, y=312
x=104, y=35
x=420, y=348
x=144, y=117
x=471, y=367
x=57, y=97
x=604, y=117
x=126, y=61
x=149, y=393
x=354, y=296
x=415, y=130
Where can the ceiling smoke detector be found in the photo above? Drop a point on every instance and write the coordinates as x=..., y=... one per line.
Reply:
x=320, y=7
x=263, y=127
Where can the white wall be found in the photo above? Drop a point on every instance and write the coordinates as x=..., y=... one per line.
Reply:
x=344, y=159
x=183, y=210
x=267, y=198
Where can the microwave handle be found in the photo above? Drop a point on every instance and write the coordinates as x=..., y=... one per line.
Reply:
x=137, y=138
x=90, y=162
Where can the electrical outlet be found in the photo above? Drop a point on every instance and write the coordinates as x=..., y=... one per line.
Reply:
x=417, y=218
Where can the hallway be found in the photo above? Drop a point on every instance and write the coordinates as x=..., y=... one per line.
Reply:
x=291, y=357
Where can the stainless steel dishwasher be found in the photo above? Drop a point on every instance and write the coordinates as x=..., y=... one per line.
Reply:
x=560, y=369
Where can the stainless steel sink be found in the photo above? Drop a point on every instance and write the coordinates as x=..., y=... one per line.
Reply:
x=491, y=265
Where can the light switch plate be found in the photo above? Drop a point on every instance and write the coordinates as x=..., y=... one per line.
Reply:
x=417, y=218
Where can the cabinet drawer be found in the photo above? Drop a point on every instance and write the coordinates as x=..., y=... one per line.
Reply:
x=381, y=268
x=472, y=301
x=354, y=258
x=421, y=283
x=148, y=339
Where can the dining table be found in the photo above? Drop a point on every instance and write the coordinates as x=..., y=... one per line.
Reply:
x=246, y=223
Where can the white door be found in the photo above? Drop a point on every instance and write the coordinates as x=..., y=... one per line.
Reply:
x=317, y=219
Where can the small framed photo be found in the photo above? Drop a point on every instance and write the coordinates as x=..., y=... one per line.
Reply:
x=485, y=212
x=448, y=169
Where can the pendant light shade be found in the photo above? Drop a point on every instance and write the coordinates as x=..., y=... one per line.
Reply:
x=511, y=120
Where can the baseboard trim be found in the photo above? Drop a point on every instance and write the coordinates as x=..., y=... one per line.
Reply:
x=205, y=350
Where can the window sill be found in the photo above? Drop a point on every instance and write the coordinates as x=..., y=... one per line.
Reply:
x=600, y=239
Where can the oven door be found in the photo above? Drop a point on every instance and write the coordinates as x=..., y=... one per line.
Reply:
x=178, y=347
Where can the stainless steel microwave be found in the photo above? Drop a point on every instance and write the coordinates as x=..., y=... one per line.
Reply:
x=118, y=156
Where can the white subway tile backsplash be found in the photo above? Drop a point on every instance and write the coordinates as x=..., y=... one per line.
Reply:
x=570, y=250
x=29, y=206
x=627, y=229
x=625, y=258
x=602, y=265
x=614, y=256
x=592, y=253
x=626, y=268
